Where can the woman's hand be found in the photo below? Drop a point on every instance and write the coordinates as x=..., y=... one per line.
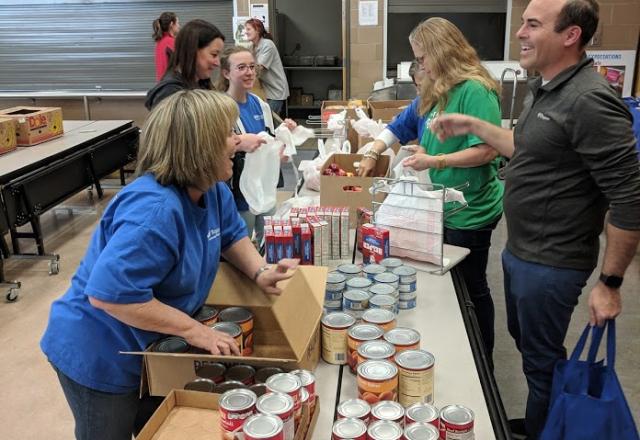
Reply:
x=290, y=124
x=367, y=165
x=268, y=279
x=420, y=162
x=249, y=142
x=214, y=341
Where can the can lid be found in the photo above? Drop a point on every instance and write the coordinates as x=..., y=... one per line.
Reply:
x=284, y=382
x=265, y=373
x=365, y=332
x=235, y=314
x=171, y=344
x=229, y=385
x=421, y=431
x=385, y=430
x=376, y=350
x=349, y=428
x=386, y=277
x=205, y=313
x=275, y=403
x=382, y=300
x=374, y=268
x=382, y=289
x=238, y=399
x=349, y=268
x=239, y=372
x=338, y=319
x=354, y=408
x=391, y=262
x=262, y=426
x=402, y=336
x=306, y=377
x=377, y=370
x=359, y=283
x=415, y=359
x=387, y=410
x=422, y=412
x=230, y=328
x=457, y=414
x=258, y=388
x=211, y=371
x=335, y=278
x=378, y=316
x=355, y=295
x=404, y=271
x=201, y=384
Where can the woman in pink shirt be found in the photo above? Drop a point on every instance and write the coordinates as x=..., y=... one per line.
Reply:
x=165, y=29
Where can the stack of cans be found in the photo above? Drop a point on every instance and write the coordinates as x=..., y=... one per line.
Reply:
x=407, y=286
x=355, y=302
x=334, y=289
x=371, y=270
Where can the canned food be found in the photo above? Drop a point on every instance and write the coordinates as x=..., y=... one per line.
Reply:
x=422, y=413
x=241, y=373
x=263, y=427
x=391, y=263
x=456, y=422
x=377, y=350
x=232, y=329
x=383, y=289
x=289, y=384
x=355, y=300
x=206, y=315
x=377, y=381
x=332, y=296
x=244, y=318
x=259, y=388
x=235, y=407
x=281, y=405
x=356, y=335
x=349, y=429
x=411, y=296
x=354, y=408
x=371, y=270
x=350, y=270
x=334, y=337
x=335, y=282
x=403, y=338
x=421, y=431
x=386, y=302
x=201, y=384
x=407, y=288
x=171, y=344
x=407, y=305
x=388, y=410
x=384, y=430
x=213, y=371
x=407, y=274
x=230, y=385
x=334, y=304
x=359, y=283
x=383, y=318
x=387, y=278
x=265, y=373
x=308, y=380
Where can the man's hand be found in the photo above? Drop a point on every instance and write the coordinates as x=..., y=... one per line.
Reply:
x=449, y=125
x=211, y=340
x=604, y=303
x=249, y=142
x=268, y=279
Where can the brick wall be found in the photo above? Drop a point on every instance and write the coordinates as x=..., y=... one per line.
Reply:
x=366, y=52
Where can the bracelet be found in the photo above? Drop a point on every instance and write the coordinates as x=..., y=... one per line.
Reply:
x=441, y=161
x=372, y=155
x=259, y=272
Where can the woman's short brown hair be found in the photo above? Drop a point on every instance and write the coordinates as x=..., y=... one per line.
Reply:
x=184, y=139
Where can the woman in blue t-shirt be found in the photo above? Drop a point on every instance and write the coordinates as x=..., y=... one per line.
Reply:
x=151, y=263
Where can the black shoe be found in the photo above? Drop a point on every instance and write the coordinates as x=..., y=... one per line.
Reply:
x=518, y=431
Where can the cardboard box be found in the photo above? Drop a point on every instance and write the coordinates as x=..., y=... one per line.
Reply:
x=35, y=124
x=386, y=110
x=8, y=141
x=349, y=191
x=188, y=415
x=306, y=100
x=331, y=107
x=280, y=340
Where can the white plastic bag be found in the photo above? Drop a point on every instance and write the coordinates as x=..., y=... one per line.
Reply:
x=398, y=170
x=259, y=178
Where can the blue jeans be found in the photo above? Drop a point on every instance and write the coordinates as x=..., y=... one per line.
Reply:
x=540, y=300
x=474, y=273
x=276, y=105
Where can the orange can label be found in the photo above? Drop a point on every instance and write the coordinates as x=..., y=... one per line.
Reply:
x=376, y=391
x=247, y=337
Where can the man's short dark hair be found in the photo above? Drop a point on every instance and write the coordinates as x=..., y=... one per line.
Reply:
x=582, y=13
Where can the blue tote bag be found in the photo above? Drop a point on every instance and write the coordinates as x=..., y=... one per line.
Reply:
x=587, y=401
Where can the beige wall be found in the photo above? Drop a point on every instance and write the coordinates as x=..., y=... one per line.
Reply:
x=366, y=49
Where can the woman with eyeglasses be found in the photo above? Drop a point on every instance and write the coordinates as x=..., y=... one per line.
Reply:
x=454, y=81
x=237, y=77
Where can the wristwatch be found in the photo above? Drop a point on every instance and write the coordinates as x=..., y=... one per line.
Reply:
x=612, y=281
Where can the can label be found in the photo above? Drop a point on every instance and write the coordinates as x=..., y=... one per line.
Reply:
x=231, y=422
x=247, y=337
x=407, y=287
x=330, y=295
x=451, y=431
x=334, y=345
x=376, y=391
x=406, y=305
x=415, y=386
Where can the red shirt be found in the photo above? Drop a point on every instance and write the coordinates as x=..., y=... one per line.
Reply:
x=166, y=44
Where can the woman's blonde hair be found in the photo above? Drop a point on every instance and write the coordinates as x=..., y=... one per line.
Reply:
x=223, y=83
x=184, y=139
x=452, y=61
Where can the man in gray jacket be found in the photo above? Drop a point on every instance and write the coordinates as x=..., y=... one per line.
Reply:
x=573, y=158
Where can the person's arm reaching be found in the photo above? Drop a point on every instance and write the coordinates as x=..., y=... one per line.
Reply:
x=468, y=158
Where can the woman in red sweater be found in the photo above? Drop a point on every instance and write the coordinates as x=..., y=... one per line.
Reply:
x=165, y=29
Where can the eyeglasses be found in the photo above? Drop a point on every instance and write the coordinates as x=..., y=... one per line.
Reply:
x=244, y=67
x=419, y=60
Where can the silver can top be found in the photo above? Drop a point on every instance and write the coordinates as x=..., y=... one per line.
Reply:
x=373, y=269
x=338, y=320
x=377, y=370
x=387, y=410
x=391, y=263
x=359, y=283
x=283, y=383
x=404, y=271
x=378, y=316
x=306, y=377
x=421, y=431
x=357, y=408
x=415, y=359
x=350, y=269
x=387, y=278
x=238, y=400
x=356, y=295
x=262, y=426
x=384, y=430
x=376, y=350
x=402, y=336
x=335, y=278
x=275, y=403
x=456, y=414
x=422, y=412
x=365, y=332
x=349, y=428
x=382, y=300
x=382, y=289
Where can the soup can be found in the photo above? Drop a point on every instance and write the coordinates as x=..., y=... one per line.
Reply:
x=391, y=263
x=335, y=282
x=241, y=373
x=377, y=350
x=408, y=296
x=422, y=413
x=407, y=288
x=229, y=385
x=281, y=405
x=265, y=373
x=232, y=329
x=259, y=388
x=357, y=300
x=356, y=335
x=403, y=338
x=371, y=270
x=206, y=315
x=289, y=384
x=201, y=384
x=383, y=289
x=354, y=408
x=235, y=407
x=332, y=297
x=388, y=410
x=386, y=302
x=350, y=270
x=406, y=274
x=358, y=283
x=377, y=381
x=385, y=319
x=244, y=318
x=263, y=427
x=407, y=304
x=387, y=278
x=384, y=430
x=456, y=422
x=334, y=337
x=421, y=431
x=213, y=371
x=308, y=380
x=349, y=429
x=171, y=344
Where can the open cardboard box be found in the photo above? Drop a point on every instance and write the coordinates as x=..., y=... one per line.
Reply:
x=189, y=415
x=35, y=124
x=349, y=191
x=7, y=135
x=331, y=107
x=386, y=110
x=286, y=328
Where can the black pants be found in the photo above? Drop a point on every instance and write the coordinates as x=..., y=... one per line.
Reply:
x=474, y=272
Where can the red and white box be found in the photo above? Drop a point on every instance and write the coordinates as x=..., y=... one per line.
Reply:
x=375, y=243
x=287, y=241
x=335, y=233
x=306, y=245
x=345, y=248
x=270, y=244
x=277, y=231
